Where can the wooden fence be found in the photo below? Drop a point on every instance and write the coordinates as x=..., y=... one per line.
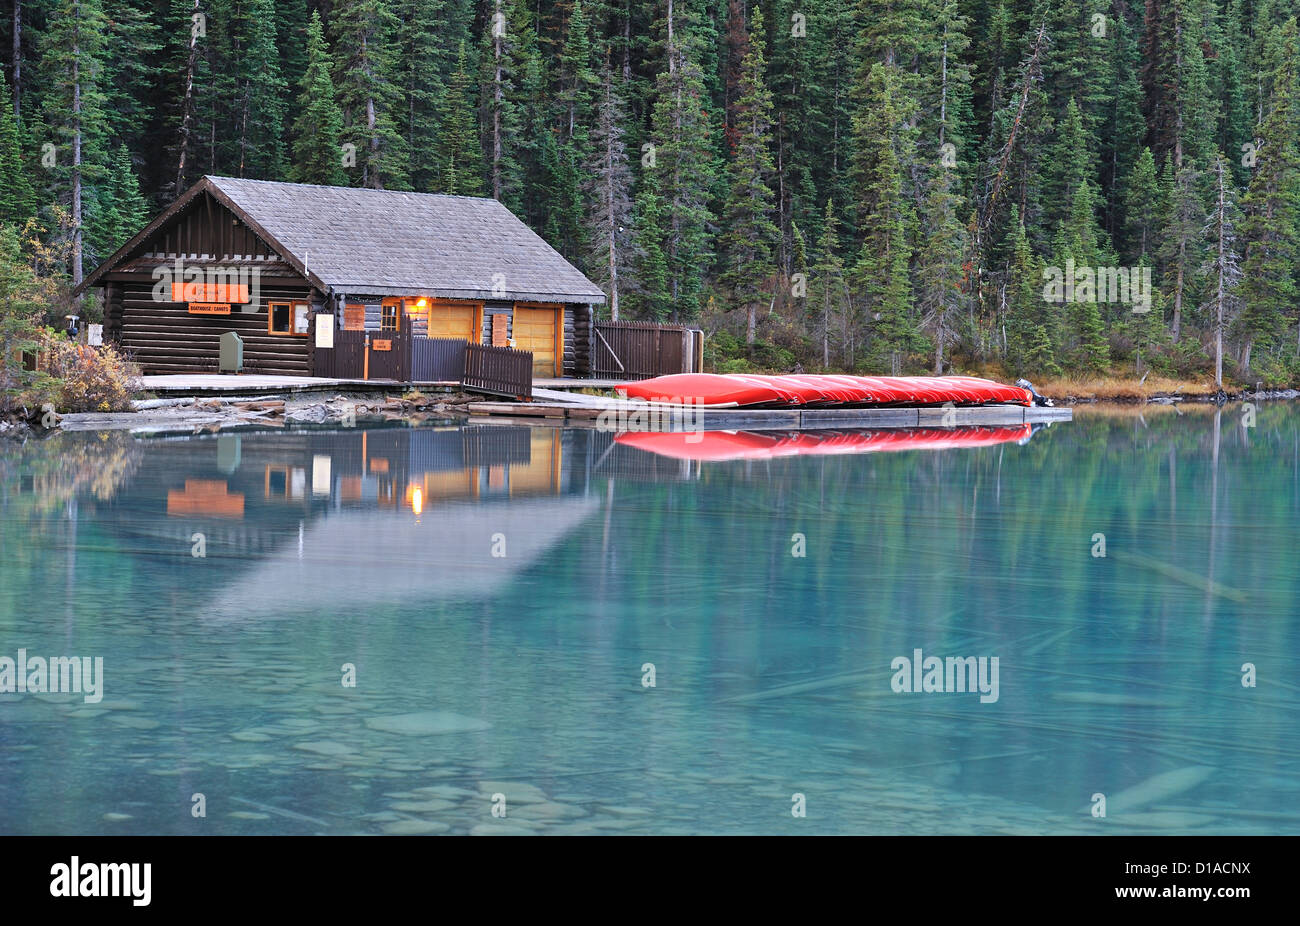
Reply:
x=395, y=355
x=498, y=370
x=438, y=360
x=390, y=355
x=345, y=360
x=636, y=350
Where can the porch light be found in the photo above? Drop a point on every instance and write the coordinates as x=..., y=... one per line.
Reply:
x=422, y=303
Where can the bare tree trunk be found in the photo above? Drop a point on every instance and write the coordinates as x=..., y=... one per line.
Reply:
x=187, y=105
x=608, y=119
x=1220, y=294
x=1178, y=292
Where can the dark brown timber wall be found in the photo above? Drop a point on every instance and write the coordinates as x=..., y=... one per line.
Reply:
x=162, y=337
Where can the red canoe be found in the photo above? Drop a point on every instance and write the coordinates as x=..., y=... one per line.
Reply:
x=733, y=389
x=712, y=390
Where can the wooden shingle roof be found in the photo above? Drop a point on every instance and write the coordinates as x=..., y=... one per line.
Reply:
x=386, y=242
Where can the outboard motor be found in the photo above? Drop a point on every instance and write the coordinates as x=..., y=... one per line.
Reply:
x=1038, y=399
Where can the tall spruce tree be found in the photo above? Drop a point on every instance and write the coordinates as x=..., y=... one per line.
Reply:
x=881, y=274
x=1271, y=228
x=369, y=91
x=459, y=152
x=317, y=155
x=829, y=301
x=683, y=159
x=16, y=195
x=73, y=49
x=749, y=236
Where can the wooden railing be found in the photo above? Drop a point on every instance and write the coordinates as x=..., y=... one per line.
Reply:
x=498, y=371
x=635, y=350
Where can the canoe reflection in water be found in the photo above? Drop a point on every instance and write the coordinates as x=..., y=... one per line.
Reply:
x=720, y=446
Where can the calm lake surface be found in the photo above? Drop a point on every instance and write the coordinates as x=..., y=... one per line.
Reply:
x=599, y=637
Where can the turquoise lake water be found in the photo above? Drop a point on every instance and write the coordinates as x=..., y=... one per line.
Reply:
x=503, y=596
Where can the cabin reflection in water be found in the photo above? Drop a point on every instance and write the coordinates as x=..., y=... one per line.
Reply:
x=354, y=517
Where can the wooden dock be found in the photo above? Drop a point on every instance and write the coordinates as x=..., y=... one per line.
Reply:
x=619, y=415
x=212, y=384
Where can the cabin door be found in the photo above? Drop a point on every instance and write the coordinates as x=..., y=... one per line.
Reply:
x=540, y=329
x=453, y=320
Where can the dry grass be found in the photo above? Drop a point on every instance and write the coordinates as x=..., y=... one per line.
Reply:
x=1121, y=388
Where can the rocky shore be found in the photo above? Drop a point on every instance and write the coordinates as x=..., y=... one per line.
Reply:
x=218, y=413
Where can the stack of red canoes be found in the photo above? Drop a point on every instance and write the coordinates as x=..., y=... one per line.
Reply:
x=752, y=445
x=730, y=390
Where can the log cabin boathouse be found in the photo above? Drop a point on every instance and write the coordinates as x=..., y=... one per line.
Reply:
x=395, y=277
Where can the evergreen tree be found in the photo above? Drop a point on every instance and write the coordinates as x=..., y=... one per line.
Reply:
x=1271, y=228
x=131, y=70
x=16, y=195
x=73, y=49
x=258, y=108
x=939, y=272
x=1030, y=329
x=682, y=158
x=369, y=92
x=828, y=293
x=650, y=291
x=749, y=236
x=1141, y=207
x=881, y=273
x=317, y=156
x=291, y=42
x=459, y=152
x=1179, y=251
x=119, y=208
x=422, y=86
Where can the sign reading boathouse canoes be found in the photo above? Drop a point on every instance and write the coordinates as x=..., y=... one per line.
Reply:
x=196, y=291
x=208, y=308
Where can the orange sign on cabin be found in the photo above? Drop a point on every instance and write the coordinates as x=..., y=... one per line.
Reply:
x=195, y=291
x=381, y=345
x=208, y=308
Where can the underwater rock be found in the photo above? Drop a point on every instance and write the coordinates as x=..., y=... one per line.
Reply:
x=422, y=806
x=1158, y=787
x=414, y=827
x=501, y=829
x=426, y=723
x=325, y=748
x=516, y=792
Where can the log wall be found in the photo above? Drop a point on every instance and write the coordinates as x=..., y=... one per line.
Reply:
x=162, y=337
